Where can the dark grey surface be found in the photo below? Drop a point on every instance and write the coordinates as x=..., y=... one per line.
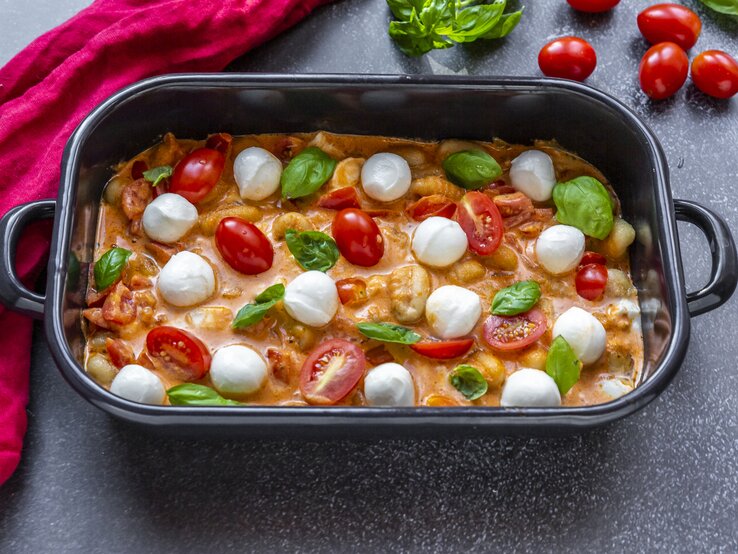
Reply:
x=665, y=479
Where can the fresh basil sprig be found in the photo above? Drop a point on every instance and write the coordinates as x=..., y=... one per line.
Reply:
x=313, y=250
x=191, y=394
x=468, y=381
x=729, y=7
x=155, y=175
x=516, y=299
x=471, y=169
x=562, y=364
x=109, y=267
x=388, y=332
x=585, y=204
x=255, y=312
x=306, y=173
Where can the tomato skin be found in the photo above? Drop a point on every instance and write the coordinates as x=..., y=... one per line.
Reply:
x=351, y=290
x=138, y=168
x=443, y=349
x=243, y=246
x=179, y=352
x=670, y=23
x=715, y=73
x=593, y=6
x=568, y=58
x=358, y=237
x=220, y=142
x=591, y=280
x=480, y=219
x=663, y=70
x=592, y=258
x=322, y=383
x=197, y=173
x=430, y=206
x=495, y=337
x=340, y=199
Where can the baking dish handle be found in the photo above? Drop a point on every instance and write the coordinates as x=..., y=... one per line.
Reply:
x=724, y=274
x=13, y=293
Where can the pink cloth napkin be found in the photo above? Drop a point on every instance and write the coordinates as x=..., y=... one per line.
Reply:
x=48, y=88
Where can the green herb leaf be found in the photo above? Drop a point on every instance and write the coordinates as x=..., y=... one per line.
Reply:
x=313, y=250
x=191, y=394
x=729, y=7
x=516, y=299
x=388, y=332
x=585, y=204
x=468, y=381
x=402, y=9
x=475, y=22
x=306, y=173
x=255, y=312
x=562, y=365
x=471, y=169
x=109, y=267
x=156, y=175
x=271, y=294
x=505, y=25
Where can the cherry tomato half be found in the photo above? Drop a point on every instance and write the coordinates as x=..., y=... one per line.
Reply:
x=358, y=238
x=340, y=199
x=593, y=6
x=179, y=352
x=568, y=58
x=443, y=349
x=591, y=281
x=670, y=23
x=197, y=173
x=480, y=219
x=331, y=371
x=592, y=258
x=513, y=332
x=243, y=246
x=429, y=206
x=663, y=70
x=351, y=290
x=715, y=73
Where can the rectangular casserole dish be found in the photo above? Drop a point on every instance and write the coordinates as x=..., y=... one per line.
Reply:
x=518, y=110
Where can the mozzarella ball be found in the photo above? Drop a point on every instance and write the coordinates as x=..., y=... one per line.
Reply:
x=530, y=388
x=385, y=177
x=257, y=173
x=439, y=242
x=532, y=173
x=560, y=248
x=138, y=384
x=237, y=369
x=389, y=385
x=584, y=333
x=187, y=279
x=311, y=298
x=452, y=311
x=168, y=218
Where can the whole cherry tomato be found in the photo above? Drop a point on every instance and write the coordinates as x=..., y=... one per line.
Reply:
x=331, y=371
x=715, y=73
x=243, y=246
x=358, y=237
x=663, y=70
x=670, y=23
x=480, y=219
x=443, y=349
x=513, y=332
x=220, y=142
x=568, y=57
x=197, y=173
x=178, y=351
x=592, y=258
x=429, y=206
x=593, y=6
x=591, y=281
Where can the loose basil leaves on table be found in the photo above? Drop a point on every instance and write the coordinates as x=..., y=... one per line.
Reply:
x=109, y=267
x=562, y=365
x=389, y=332
x=471, y=169
x=157, y=174
x=191, y=394
x=255, y=312
x=313, y=250
x=306, y=173
x=468, y=381
x=584, y=203
x=516, y=299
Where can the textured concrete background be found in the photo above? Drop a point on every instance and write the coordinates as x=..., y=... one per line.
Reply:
x=665, y=479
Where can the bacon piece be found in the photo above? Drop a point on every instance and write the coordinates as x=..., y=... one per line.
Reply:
x=288, y=147
x=95, y=316
x=120, y=352
x=135, y=196
x=280, y=365
x=513, y=204
x=119, y=306
x=162, y=252
x=139, y=282
x=498, y=187
x=379, y=355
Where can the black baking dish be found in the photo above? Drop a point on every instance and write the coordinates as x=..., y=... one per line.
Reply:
x=518, y=110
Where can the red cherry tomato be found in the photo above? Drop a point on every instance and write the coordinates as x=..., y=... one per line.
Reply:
x=513, y=332
x=331, y=371
x=340, y=199
x=591, y=281
x=715, y=73
x=179, y=352
x=663, y=70
x=593, y=6
x=358, y=238
x=138, y=168
x=592, y=258
x=429, y=206
x=480, y=219
x=443, y=349
x=567, y=57
x=220, y=142
x=197, y=173
x=670, y=23
x=351, y=290
x=243, y=246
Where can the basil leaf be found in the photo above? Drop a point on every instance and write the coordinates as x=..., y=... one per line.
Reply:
x=313, y=250
x=306, y=173
x=471, y=169
x=729, y=7
x=255, y=312
x=476, y=21
x=402, y=9
x=562, y=365
x=273, y=293
x=585, y=204
x=388, y=332
x=505, y=25
x=190, y=394
x=516, y=299
x=156, y=175
x=109, y=267
x=468, y=381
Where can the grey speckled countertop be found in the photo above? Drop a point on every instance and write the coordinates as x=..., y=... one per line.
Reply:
x=665, y=479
